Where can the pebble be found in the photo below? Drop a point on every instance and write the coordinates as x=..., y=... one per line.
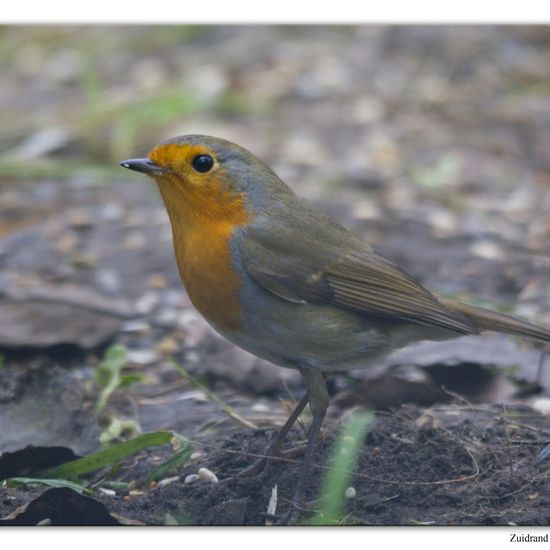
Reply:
x=80, y=218
x=142, y=356
x=350, y=492
x=192, y=478
x=108, y=280
x=111, y=211
x=147, y=302
x=487, y=250
x=542, y=405
x=164, y=482
x=168, y=346
x=167, y=317
x=135, y=240
x=136, y=325
x=157, y=280
x=206, y=475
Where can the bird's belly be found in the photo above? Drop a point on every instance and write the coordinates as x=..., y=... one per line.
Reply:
x=292, y=335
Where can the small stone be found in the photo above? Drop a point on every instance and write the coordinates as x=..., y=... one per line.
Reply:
x=134, y=240
x=206, y=475
x=443, y=222
x=164, y=482
x=192, y=478
x=366, y=210
x=136, y=326
x=168, y=346
x=192, y=357
x=157, y=281
x=350, y=492
x=147, y=302
x=108, y=280
x=67, y=242
x=80, y=219
x=487, y=250
x=111, y=211
x=542, y=405
x=142, y=356
x=261, y=407
x=167, y=317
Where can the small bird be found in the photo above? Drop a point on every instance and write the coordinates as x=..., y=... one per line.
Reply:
x=280, y=278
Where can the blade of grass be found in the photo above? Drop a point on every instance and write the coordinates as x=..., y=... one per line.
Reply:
x=108, y=374
x=211, y=395
x=183, y=450
x=107, y=457
x=342, y=462
x=19, y=481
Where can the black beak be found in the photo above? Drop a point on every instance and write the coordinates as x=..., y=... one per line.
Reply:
x=145, y=166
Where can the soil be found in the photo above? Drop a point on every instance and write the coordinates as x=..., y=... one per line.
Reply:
x=458, y=466
x=454, y=465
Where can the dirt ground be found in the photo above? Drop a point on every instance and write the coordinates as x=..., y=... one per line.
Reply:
x=448, y=467
x=431, y=143
x=442, y=466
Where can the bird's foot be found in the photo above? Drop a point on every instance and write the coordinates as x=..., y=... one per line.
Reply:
x=263, y=465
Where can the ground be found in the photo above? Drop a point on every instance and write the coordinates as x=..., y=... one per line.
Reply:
x=431, y=143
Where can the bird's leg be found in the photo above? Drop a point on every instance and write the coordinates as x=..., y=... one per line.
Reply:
x=274, y=446
x=318, y=403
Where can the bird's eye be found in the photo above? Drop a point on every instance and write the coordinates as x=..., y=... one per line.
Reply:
x=203, y=163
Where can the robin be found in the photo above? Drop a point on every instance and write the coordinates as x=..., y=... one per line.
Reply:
x=281, y=279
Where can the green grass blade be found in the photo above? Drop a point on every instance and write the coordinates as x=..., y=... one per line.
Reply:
x=108, y=373
x=107, y=457
x=19, y=481
x=342, y=462
x=183, y=450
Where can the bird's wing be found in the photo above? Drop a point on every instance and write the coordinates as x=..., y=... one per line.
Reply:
x=339, y=270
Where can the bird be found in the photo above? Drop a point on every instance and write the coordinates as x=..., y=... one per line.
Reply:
x=277, y=276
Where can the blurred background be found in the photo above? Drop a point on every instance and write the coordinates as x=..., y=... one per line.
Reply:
x=432, y=143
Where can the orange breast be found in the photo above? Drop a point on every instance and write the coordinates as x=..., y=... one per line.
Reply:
x=205, y=266
x=203, y=220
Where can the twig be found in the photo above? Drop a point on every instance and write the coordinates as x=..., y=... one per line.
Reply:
x=524, y=426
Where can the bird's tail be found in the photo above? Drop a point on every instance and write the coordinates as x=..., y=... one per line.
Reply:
x=485, y=319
